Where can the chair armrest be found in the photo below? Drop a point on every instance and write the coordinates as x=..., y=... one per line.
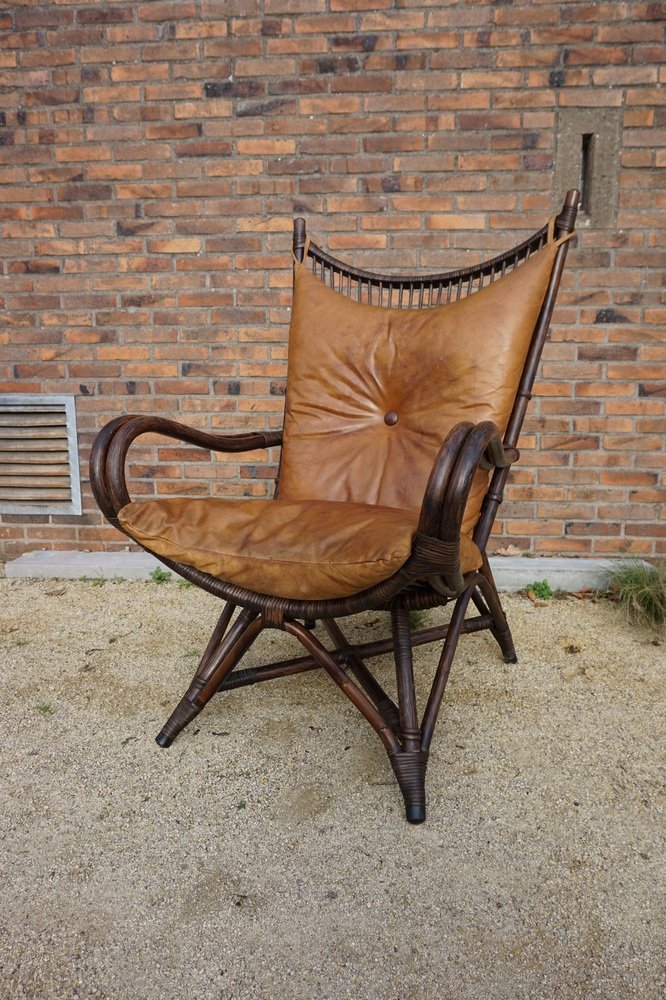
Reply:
x=466, y=449
x=482, y=449
x=109, y=451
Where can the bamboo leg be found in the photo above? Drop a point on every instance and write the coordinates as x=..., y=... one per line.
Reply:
x=353, y=692
x=409, y=766
x=501, y=629
x=218, y=634
x=480, y=604
x=410, y=770
x=444, y=667
x=402, y=645
x=409, y=763
x=220, y=657
x=368, y=682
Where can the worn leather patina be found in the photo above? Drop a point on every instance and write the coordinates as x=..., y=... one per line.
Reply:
x=372, y=392
x=305, y=550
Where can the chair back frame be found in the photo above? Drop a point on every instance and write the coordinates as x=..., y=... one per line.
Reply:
x=417, y=291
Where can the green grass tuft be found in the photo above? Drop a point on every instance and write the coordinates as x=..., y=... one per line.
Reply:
x=641, y=591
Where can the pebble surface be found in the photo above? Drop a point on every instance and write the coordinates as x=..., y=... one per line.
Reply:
x=266, y=855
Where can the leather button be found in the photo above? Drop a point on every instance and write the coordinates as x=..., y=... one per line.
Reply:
x=391, y=418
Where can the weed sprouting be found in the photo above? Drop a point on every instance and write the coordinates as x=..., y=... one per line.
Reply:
x=417, y=619
x=541, y=589
x=160, y=575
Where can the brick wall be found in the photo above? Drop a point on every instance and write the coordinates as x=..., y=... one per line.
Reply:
x=152, y=156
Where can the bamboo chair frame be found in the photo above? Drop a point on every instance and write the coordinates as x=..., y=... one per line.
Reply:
x=431, y=576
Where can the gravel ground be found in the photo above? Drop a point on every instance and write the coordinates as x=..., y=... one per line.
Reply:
x=266, y=854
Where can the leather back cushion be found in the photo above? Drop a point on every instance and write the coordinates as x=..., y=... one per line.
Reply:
x=350, y=364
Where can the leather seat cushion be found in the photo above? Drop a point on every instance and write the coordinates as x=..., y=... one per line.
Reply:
x=303, y=550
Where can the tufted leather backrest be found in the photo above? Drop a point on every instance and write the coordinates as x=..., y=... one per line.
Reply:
x=373, y=391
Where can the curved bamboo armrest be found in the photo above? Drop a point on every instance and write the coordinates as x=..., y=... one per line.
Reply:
x=109, y=451
x=466, y=449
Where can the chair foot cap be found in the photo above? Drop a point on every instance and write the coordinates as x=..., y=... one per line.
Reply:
x=164, y=741
x=415, y=814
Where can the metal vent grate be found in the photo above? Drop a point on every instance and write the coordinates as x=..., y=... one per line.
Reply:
x=39, y=466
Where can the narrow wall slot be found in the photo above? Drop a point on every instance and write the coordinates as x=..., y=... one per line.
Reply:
x=586, y=169
x=587, y=157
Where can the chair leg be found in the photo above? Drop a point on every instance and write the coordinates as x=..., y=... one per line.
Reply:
x=223, y=652
x=403, y=743
x=410, y=762
x=444, y=667
x=355, y=694
x=368, y=681
x=501, y=629
x=410, y=770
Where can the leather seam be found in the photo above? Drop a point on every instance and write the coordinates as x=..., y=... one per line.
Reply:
x=267, y=559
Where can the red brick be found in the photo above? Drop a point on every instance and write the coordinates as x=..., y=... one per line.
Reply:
x=171, y=11
x=427, y=40
x=112, y=95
